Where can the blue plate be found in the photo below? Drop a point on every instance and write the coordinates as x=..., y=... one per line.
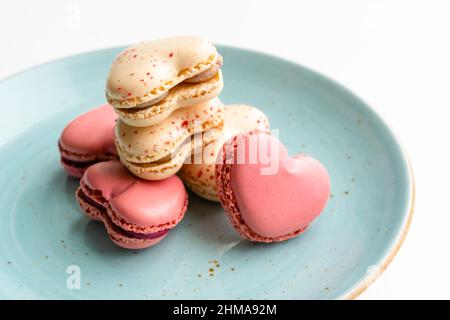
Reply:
x=48, y=249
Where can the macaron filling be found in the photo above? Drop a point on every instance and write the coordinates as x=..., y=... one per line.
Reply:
x=207, y=74
x=147, y=236
x=82, y=164
x=96, y=199
x=78, y=164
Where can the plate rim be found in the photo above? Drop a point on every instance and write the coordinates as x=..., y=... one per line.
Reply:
x=359, y=287
x=355, y=291
x=365, y=283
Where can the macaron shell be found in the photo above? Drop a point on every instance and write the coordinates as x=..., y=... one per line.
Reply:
x=118, y=238
x=134, y=244
x=163, y=169
x=279, y=204
x=201, y=180
x=89, y=210
x=109, y=177
x=92, y=133
x=137, y=205
x=73, y=171
x=151, y=203
x=146, y=70
x=183, y=95
x=160, y=170
x=238, y=118
x=147, y=144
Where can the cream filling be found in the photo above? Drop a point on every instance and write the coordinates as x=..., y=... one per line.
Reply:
x=208, y=74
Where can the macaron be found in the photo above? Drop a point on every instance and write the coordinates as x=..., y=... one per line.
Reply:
x=159, y=151
x=150, y=80
x=136, y=213
x=199, y=174
x=88, y=139
x=268, y=195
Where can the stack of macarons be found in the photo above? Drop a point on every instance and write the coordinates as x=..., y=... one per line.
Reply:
x=165, y=125
x=164, y=92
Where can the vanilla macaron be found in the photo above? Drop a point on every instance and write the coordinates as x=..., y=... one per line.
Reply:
x=157, y=152
x=199, y=175
x=150, y=80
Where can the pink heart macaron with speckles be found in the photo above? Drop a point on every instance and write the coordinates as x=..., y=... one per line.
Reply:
x=88, y=139
x=268, y=195
x=136, y=213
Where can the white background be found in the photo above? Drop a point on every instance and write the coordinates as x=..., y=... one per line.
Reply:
x=393, y=54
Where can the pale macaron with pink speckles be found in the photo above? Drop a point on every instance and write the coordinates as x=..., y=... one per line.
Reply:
x=199, y=174
x=150, y=80
x=157, y=152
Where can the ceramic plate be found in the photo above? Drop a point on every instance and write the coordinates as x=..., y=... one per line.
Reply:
x=45, y=240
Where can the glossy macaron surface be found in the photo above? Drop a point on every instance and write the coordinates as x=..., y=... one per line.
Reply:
x=145, y=71
x=268, y=195
x=91, y=133
x=141, y=203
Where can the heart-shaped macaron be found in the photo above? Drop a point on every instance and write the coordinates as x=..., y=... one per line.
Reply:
x=137, y=213
x=88, y=139
x=268, y=195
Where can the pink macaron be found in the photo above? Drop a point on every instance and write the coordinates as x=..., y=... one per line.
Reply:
x=88, y=139
x=136, y=213
x=268, y=195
